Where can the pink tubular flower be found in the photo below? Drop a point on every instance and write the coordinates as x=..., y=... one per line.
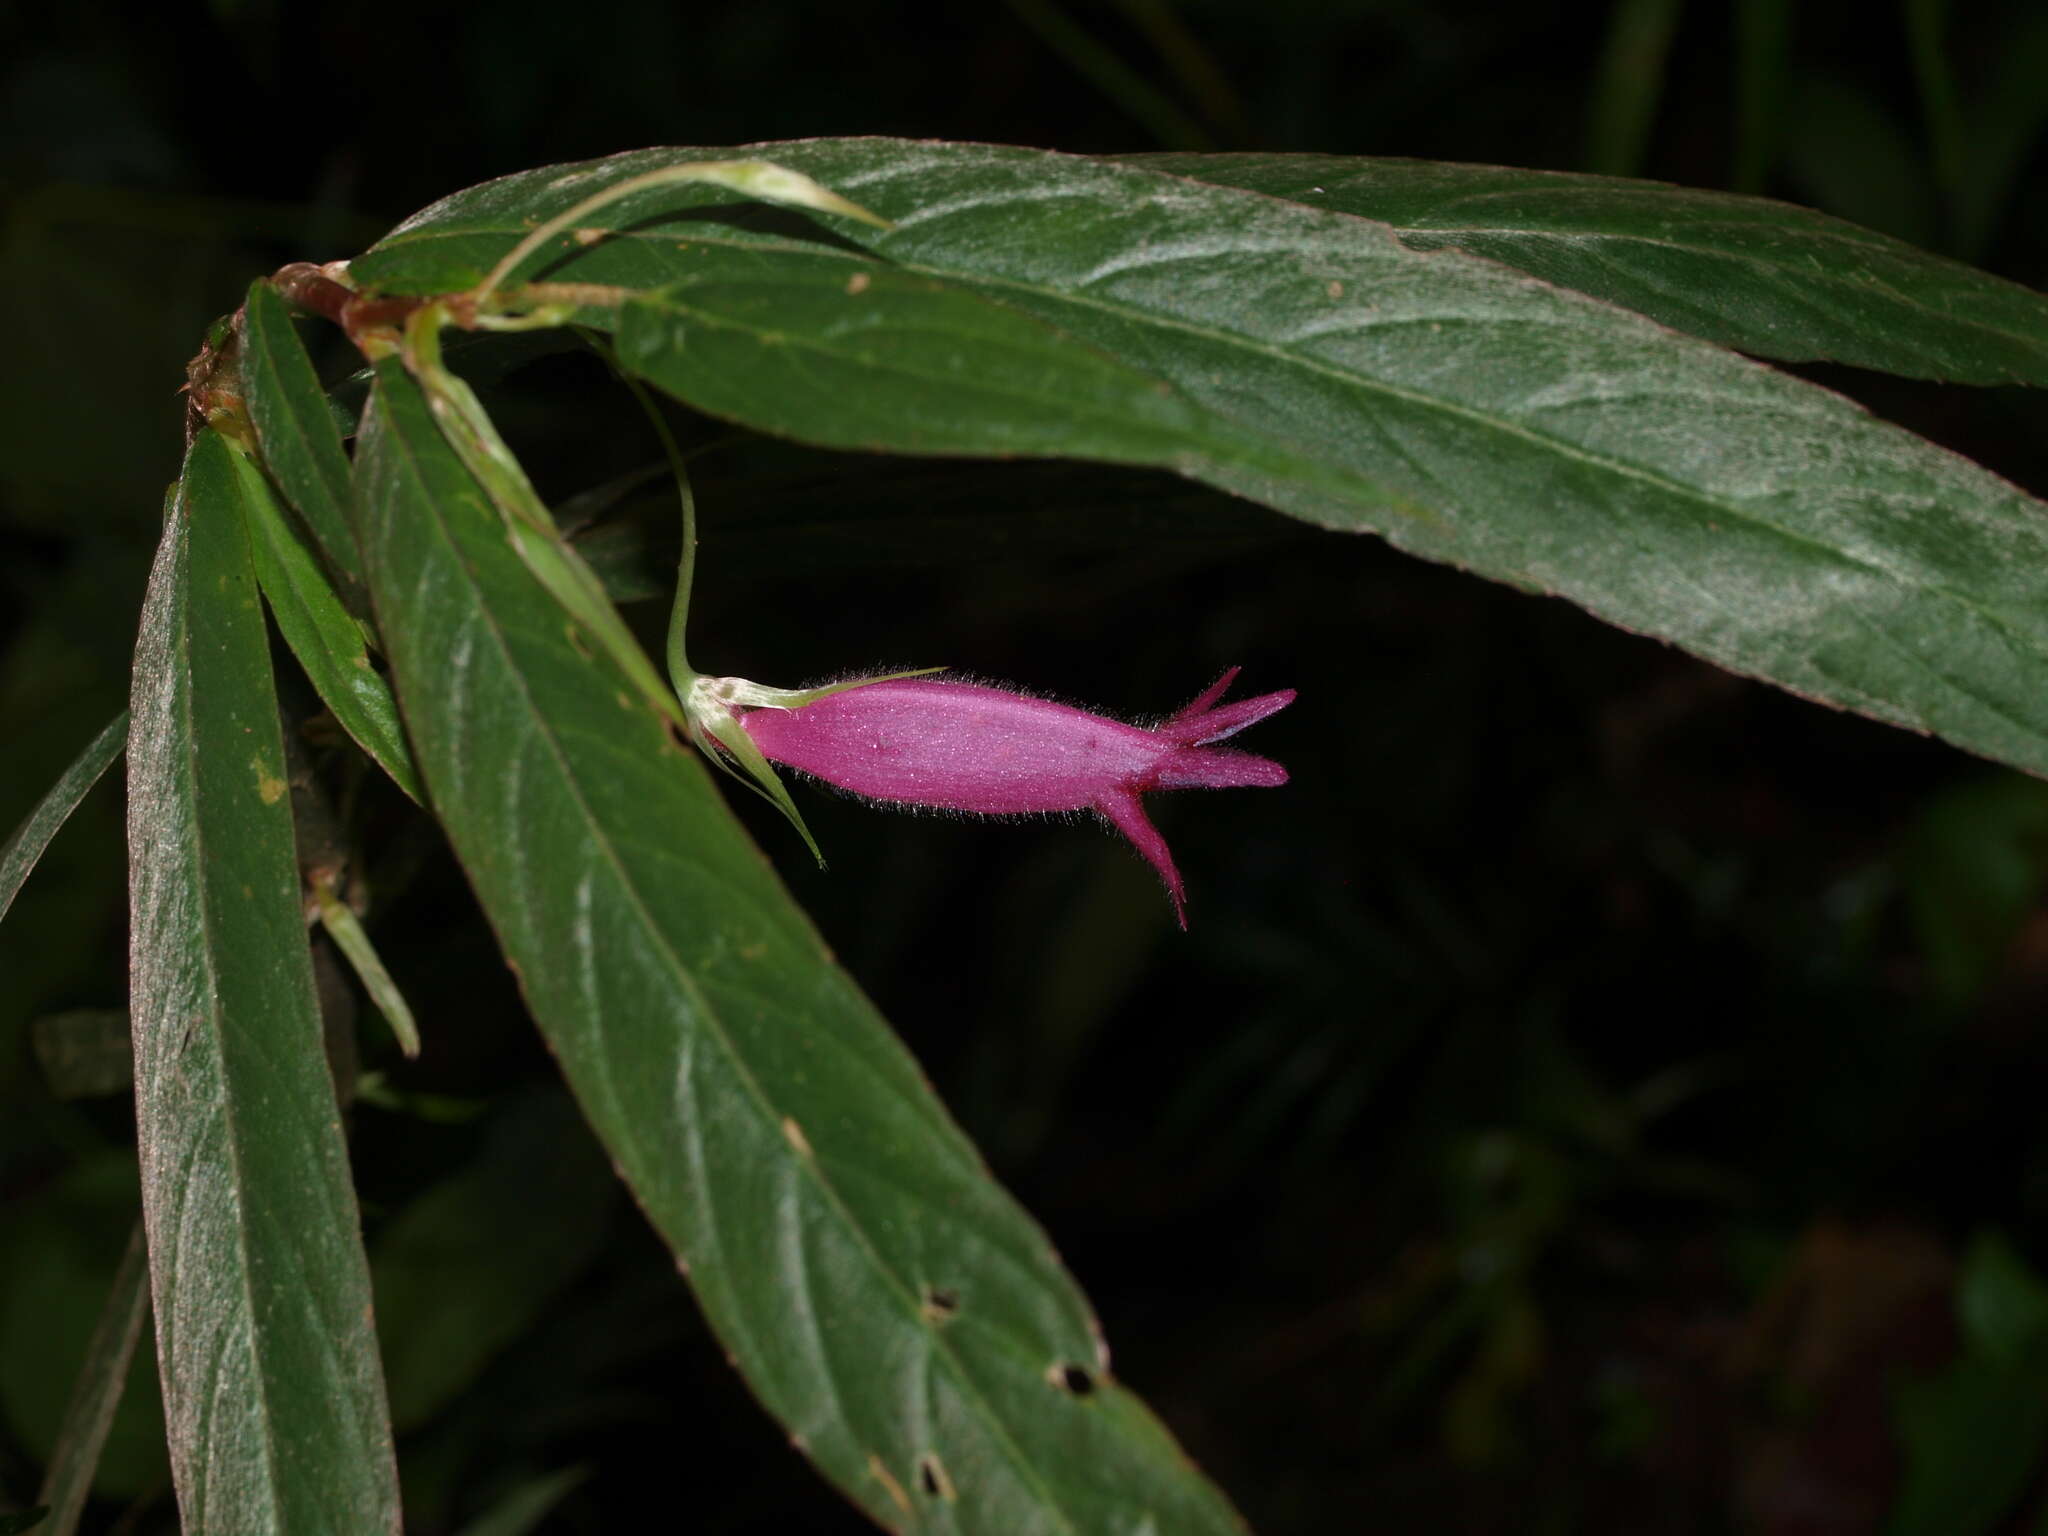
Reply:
x=969, y=747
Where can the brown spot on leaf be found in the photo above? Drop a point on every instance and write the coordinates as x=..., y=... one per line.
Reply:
x=1070, y=1378
x=932, y=1478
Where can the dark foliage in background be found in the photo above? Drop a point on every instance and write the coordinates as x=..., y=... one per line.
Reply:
x=1599, y=1093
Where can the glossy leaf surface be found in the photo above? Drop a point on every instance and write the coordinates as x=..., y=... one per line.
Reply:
x=906, y=1321
x=1312, y=361
x=272, y=1390
x=1762, y=276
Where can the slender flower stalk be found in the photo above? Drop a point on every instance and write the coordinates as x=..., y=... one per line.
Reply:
x=987, y=751
x=710, y=704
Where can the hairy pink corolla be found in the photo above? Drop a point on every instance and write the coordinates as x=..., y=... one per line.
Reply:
x=986, y=751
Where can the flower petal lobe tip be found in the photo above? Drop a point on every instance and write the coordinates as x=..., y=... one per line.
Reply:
x=988, y=751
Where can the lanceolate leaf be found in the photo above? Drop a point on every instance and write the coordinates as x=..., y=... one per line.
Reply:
x=321, y=632
x=1752, y=273
x=885, y=1299
x=1312, y=361
x=272, y=1390
x=25, y=846
x=295, y=429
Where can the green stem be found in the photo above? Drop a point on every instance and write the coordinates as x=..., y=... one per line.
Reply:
x=346, y=929
x=680, y=672
x=686, y=573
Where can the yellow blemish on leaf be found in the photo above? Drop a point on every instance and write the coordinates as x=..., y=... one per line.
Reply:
x=896, y=1493
x=268, y=786
x=794, y=1133
x=858, y=283
x=1336, y=289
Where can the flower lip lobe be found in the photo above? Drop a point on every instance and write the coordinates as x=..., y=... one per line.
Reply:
x=983, y=750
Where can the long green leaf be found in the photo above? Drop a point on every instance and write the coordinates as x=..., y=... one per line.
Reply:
x=272, y=1389
x=885, y=1299
x=295, y=430
x=1752, y=273
x=1314, y=362
x=26, y=844
x=317, y=626
x=1762, y=276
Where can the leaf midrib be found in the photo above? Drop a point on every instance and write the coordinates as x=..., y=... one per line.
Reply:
x=712, y=1025
x=1481, y=419
x=1734, y=512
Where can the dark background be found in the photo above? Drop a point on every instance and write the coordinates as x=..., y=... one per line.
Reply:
x=1599, y=1093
